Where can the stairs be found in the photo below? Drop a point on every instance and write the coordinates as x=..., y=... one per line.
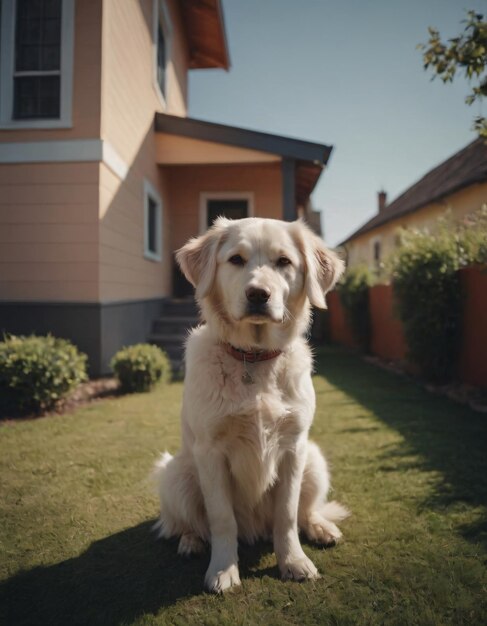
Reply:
x=170, y=330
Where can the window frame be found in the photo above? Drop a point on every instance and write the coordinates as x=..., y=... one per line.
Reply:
x=151, y=193
x=160, y=16
x=207, y=196
x=7, y=70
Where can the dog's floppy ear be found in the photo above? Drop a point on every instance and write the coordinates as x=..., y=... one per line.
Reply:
x=323, y=266
x=197, y=258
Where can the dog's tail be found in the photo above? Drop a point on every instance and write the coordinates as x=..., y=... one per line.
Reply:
x=334, y=511
x=157, y=478
x=161, y=464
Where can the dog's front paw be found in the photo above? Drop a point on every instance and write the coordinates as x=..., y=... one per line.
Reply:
x=219, y=581
x=301, y=568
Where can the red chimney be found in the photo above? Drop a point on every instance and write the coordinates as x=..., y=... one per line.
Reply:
x=382, y=200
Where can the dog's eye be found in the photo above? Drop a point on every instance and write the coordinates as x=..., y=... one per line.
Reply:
x=282, y=261
x=236, y=259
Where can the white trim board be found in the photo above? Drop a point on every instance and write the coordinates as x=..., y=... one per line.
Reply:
x=73, y=150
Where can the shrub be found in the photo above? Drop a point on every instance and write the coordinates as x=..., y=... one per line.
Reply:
x=37, y=373
x=427, y=289
x=354, y=296
x=140, y=367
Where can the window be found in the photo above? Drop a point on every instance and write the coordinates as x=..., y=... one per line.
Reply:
x=377, y=251
x=36, y=58
x=234, y=205
x=161, y=60
x=162, y=47
x=233, y=209
x=152, y=223
x=377, y=254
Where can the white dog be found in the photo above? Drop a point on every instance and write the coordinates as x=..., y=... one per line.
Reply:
x=246, y=468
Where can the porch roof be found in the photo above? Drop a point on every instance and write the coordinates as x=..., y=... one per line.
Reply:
x=309, y=158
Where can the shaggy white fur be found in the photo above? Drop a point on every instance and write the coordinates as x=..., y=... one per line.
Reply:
x=246, y=468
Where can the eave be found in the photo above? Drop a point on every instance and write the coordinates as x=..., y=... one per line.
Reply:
x=204, y=26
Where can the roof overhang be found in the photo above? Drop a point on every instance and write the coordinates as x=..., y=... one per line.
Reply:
x=204, y=26
x=186, y=141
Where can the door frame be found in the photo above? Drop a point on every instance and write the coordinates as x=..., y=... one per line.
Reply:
x=222, y=195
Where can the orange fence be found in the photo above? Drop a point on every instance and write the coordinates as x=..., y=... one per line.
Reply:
x=473, y=354
x=386, y=334
x=339, y=330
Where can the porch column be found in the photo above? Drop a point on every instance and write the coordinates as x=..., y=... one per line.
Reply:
x=288, y=171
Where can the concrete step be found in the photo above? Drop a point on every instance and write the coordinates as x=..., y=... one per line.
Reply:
x=168, y=339
x=173, y=351
x=181, y=306
x=174, y=324
x=169, y=331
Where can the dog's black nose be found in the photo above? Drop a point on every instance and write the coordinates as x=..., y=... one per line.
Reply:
x=257, y=295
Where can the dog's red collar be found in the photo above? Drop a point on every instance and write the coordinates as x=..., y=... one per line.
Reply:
x=251, y=356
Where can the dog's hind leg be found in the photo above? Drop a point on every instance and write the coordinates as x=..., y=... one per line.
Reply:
x=182, y=506
x=316, y=516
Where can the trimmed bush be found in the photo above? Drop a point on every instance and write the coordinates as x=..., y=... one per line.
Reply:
x=37, y=373
x=353, y=290
x=140, y=367
x=427, y=290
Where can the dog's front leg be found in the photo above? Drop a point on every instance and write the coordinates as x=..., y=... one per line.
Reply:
x=293, y=562
x=214, y=478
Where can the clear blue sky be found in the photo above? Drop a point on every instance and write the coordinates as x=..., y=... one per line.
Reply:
x=346, y=73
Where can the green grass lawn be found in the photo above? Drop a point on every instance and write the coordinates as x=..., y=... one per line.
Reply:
x=76, y=511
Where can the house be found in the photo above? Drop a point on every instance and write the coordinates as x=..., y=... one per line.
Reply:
x=102, y=174
x=457, y=186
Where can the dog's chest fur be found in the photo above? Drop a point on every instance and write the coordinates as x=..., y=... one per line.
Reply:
x=253, y=441
x=256, y=423
x=252, y=424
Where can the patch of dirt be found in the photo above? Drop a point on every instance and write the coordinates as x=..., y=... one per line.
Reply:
x=474, y=397
x=84, y=394
x=90, y=391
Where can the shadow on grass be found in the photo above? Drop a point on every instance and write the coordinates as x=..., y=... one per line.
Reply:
x=114, y=581
x=448, y=438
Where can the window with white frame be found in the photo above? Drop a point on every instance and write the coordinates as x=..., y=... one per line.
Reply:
x=161, y=39
x=234, y=205
x=36, y=58
x=152, y=223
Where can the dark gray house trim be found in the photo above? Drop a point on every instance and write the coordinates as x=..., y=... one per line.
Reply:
x=288, y=169
x=98, y=329
x=243, y=138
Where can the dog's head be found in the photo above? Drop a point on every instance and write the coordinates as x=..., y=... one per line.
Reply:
x=259, y=271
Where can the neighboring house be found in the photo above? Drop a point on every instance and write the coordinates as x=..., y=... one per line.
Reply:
x=102, y=175
x=457, y=186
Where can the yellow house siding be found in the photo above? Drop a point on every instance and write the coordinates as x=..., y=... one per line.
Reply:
x=177, y=97
x=361, y=249
x=125, y=274
x=49, y=232
x=187, y=182
x=129, y=95
x=130, y=101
